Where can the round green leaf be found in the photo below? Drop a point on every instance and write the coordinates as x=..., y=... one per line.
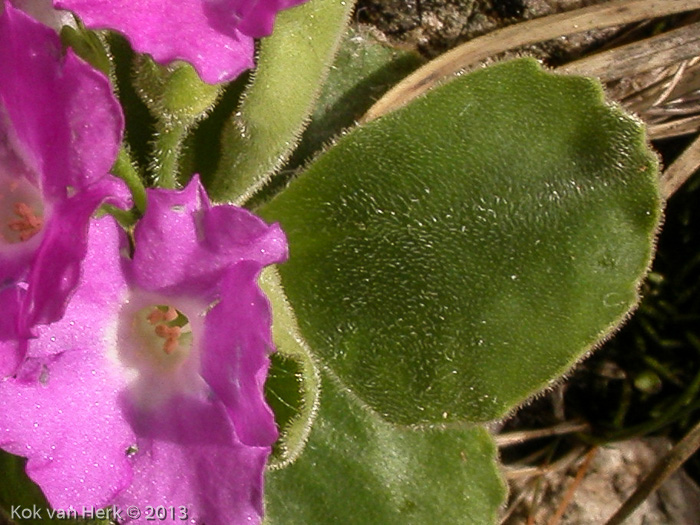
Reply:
x=452, y=258
x=359, y=469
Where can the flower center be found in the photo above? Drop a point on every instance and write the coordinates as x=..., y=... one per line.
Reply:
x=156, y=347
x=21, y=211
x=165, y=333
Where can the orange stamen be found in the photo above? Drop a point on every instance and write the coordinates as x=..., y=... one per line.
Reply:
x=159, y=316
x=28, y=224
x=171, y=334
x=160, y=319
x=170, y=314
x=156, y=316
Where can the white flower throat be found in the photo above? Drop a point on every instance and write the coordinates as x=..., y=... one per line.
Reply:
x=157, y=347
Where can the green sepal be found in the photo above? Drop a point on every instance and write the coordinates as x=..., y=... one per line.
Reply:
x=88, y=45
x=293, y=383
x=175, y=94
x=178, y=99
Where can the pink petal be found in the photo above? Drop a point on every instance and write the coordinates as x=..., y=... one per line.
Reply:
x=171, y=31
x=185, y=244
x=64, y=410
x=62, y=112
x=57, y=266
x=11, y=347
x=234, y=359
x=255, y=18
x=60, y=130
x=65, y=417
x=188, y=455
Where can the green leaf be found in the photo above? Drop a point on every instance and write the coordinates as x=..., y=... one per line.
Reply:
x=293, y=383
x=292, y=64
x=358, y=469
x=19, y=493
x=363, y=70
x=452, y=258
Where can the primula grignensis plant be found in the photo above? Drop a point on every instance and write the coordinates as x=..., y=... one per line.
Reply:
x=437, y=266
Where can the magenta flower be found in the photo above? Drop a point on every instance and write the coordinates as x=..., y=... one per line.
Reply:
x=149, y=391
x=11, y=346
x=60, y=130
x=215, y=36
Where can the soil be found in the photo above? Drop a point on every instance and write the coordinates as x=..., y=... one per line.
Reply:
x=434, y=26
x=614, y=472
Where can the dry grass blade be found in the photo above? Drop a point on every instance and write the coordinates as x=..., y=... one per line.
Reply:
x=515, y=438
x=691, y=81
x=566, y=500
x=610, y=14
x=641, y=56
x=513, y=506
x=681, y=169
x=674, y=128
x=664, y=94
x=563, y=463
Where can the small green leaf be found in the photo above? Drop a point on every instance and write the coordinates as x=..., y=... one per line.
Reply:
x=451, y=259
x=358, y=469
x=125, y=170
x=91, y=46
x=293, y=383
x=292, y=64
